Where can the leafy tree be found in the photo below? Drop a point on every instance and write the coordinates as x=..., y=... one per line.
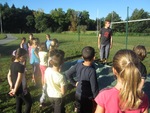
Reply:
x=114, y=17
x=58, y=15
x=40, y=20
x=139, y=26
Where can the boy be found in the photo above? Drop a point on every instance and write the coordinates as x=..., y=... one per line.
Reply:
x=140, y=50
x=55, y=81
x=105, y=42
x=86, y=85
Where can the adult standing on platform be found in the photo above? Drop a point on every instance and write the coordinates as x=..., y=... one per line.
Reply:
x=105, y=41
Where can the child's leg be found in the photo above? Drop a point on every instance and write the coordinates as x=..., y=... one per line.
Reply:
x=43, y=97
x=19, y=102
x=28, y=102
x=57, y=105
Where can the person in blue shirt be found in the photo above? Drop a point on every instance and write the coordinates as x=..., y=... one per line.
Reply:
x=48, y=41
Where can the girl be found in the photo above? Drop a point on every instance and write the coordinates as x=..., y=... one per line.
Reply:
x=34, y=60
x=125, y=97
x=17, y=82
x=43, y=56
x=23, y=44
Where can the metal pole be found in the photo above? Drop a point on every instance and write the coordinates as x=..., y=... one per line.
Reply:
x=127, y=27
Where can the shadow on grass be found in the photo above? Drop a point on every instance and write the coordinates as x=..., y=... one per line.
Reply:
x=73, y=57
x=7, y=50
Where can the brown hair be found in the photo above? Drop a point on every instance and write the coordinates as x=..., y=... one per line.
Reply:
x=57, y=57
x=42, y=47
x=140, y=50
x=20, y=52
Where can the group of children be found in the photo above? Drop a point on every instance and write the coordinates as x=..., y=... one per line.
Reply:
x=125, y=97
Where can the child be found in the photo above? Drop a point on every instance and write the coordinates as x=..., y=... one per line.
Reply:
x=30, y=43
x=141, y=53
x=54, y=45
x=125, y=97
x=43, y=56
x=86, y=85
x=48, y=41
x=15, y=79
x=55, y=81
x=23, y=44
x=34, y=59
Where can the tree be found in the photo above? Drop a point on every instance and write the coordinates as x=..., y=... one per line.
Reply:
x=30, y=22
x=58, y=15
x=40, y=20
x=139, y=26
x=114, y=17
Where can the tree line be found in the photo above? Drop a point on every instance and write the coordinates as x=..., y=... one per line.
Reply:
x=25, y=20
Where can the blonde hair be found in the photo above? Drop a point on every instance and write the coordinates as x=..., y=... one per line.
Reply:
x=127, y=66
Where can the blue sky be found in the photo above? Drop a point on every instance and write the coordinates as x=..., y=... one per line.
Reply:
x=96, y=8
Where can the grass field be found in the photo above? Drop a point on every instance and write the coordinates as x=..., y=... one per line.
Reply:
x=72, y=48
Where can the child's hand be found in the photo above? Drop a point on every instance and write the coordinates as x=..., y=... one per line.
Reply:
x=12, y=93
x=76, y=84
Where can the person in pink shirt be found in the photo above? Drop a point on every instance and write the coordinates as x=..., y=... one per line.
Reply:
x=125, y=96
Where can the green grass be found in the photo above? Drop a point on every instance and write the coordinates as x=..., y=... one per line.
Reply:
x=2, y=36
x=72, y=48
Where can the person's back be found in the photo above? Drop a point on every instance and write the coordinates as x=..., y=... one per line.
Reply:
x=125, y=96
x=86, y=84
x=55, y=81
x=141, y=52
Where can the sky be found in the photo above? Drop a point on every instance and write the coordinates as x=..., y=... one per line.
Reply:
x=96, y=8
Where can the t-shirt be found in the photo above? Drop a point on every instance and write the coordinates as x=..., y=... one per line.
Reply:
x=43, y=58
x=87, y=81
x=33, y=58
x=109, y=100
x=54, y=81
x=105, y=35
x=16, y=68
x=48, y=43
x=143, y=71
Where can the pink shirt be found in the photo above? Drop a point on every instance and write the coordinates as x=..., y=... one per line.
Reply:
x=108, y=99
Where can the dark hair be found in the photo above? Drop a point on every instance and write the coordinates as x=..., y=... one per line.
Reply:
x=57, y=57
x=20, y=52
x=88, y=53
x=23, y=39
x=48, y=36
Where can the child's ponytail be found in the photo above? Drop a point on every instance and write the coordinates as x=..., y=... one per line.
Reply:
x=127, y=66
